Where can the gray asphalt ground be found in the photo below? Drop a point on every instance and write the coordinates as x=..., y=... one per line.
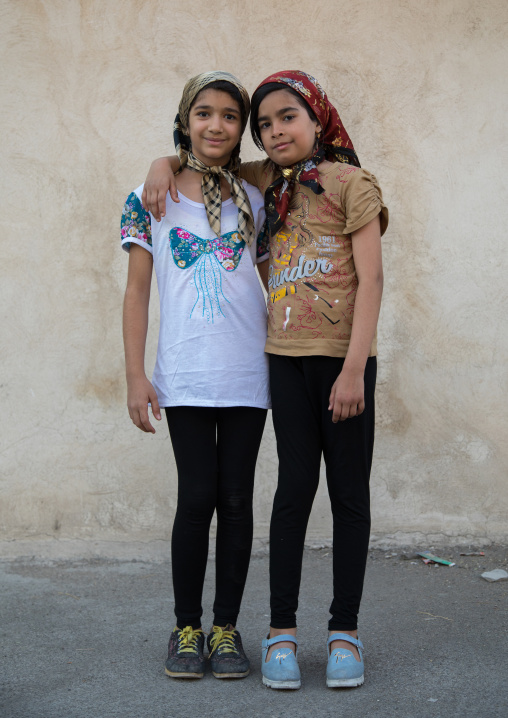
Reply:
x=88, y=638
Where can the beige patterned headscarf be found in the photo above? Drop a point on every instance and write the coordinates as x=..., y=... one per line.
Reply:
x=210, y=182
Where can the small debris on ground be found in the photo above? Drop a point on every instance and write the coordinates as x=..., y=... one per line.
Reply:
x=473, y=553
x=429, y=558
x=496, y=575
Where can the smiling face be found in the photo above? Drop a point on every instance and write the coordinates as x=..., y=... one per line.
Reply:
x=214, y=127
x=287, y=132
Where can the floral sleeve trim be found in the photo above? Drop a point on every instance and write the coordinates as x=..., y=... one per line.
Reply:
x=135, y=225
x=263, y=244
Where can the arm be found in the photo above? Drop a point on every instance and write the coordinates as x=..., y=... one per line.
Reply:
x=263, y=272
x=159, y=180
x=135, y=325
x=347, y=395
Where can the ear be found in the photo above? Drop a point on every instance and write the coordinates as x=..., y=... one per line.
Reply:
x=319, y=130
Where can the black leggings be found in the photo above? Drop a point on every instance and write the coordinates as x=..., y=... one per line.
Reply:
x=304, y=430
x=215, y=451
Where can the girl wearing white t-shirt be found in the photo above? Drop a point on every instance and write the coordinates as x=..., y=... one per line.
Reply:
x=211, y=372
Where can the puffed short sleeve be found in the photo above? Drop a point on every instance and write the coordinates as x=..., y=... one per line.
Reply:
x=135, y=226
x=363, y=201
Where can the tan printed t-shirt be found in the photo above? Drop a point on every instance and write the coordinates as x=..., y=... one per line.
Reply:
x=312, y=279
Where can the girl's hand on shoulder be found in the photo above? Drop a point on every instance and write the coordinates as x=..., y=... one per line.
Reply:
x=140, y=393
x=159, y=181
x=347, y=395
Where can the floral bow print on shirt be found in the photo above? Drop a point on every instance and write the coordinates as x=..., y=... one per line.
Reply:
x=207, y=257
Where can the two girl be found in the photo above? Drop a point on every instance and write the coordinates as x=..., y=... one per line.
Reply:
x=325, y=217
x=211, y=373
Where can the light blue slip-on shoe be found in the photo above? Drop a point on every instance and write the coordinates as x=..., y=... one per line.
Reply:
x=343, y=670
x=282, y=669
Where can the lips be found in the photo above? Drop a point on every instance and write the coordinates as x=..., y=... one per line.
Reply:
x=281, y=145
x=214, y=141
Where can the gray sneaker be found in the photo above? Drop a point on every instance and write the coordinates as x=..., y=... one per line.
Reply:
x=185, y=653
x=226, y=654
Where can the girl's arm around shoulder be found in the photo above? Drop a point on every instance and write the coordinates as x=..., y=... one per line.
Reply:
x=159, y=181
x=347, y=395
x=259, y=173
x=140, y=391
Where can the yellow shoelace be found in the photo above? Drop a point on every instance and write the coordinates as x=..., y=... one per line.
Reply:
x=223, y=640
x=188, y=638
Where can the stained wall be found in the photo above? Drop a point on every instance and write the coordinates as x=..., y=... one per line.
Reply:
x=89, y=90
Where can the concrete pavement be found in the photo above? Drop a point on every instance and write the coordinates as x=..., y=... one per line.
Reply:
x=87, y=639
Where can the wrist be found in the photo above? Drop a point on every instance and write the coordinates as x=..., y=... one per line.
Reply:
x=353, y=367
x=135, y=374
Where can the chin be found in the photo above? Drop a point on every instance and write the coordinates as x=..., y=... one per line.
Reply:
x=283, y=161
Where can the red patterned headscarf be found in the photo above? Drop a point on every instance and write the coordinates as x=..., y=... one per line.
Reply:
x=334, y=145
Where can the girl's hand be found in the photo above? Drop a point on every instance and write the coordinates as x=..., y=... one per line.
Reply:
x=140, y=393
x=159, y=181
x=347, y=395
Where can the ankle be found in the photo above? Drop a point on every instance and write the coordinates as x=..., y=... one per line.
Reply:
x=353, y=634
x=282, y=631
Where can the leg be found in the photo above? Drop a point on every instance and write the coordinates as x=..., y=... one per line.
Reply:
x=193, y=435
x=348, y=447
x=296, y=424
x=239, y=432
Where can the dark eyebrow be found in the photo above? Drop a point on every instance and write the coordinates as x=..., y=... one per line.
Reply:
x=280, y=112
x=209, y=107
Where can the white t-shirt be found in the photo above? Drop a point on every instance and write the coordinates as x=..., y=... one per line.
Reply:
x=213, y=317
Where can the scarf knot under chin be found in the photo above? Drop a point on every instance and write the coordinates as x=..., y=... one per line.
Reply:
x=212, y=196
x=278, y=194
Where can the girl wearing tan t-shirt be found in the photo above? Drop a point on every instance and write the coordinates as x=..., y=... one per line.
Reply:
x=325, y=216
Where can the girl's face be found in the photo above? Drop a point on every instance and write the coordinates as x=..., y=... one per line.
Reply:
x=287, y=132
x=214, y=127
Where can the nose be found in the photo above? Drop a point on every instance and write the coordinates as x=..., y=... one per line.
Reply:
x=276, y=129
x=215, y=124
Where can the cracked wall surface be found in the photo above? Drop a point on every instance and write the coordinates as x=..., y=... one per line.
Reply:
x=89, y=92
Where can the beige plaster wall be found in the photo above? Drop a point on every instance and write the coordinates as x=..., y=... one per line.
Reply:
x=89, y=90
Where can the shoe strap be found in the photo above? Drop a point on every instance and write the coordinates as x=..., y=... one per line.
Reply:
x=345, y=637
x=279, y=639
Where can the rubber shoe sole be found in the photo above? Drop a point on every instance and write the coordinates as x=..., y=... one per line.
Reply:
x=345, y=682
x=231, y=675
x=282, y=685
x=176, y=674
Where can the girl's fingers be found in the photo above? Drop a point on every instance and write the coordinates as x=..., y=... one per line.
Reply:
x=145, y=421
x=173, y=190
x=140, y=419
x=161, y=203
x=155, y=406
x=153, y=204
x=341, y=412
